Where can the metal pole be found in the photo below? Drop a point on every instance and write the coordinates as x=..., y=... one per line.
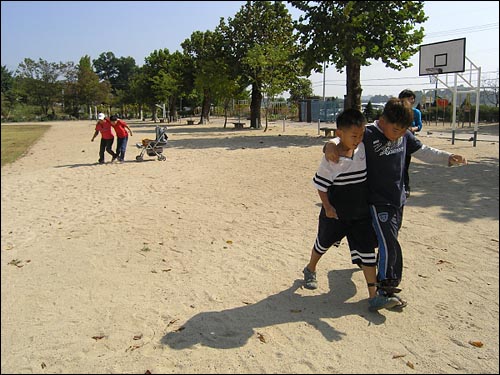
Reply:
x=454, y=115
x=324, y=75
x=435, y=101
x=322, y=106
x=478, y=101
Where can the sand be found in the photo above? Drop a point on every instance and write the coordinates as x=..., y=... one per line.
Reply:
x=193, y=264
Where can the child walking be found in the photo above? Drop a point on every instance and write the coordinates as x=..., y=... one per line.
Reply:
x=387, y=141
x=343, y=190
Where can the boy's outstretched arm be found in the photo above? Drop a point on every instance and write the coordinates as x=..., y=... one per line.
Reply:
x=433, y=155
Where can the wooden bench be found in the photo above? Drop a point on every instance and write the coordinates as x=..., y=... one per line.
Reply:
x=329, y=132
x=239, y=125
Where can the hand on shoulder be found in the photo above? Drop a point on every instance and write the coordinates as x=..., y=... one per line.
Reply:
x=331, y=151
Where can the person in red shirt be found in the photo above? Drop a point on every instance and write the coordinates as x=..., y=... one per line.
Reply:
x=104, y=127
x=121, y=128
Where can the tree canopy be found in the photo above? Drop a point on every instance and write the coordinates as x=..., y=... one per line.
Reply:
x=350, y=33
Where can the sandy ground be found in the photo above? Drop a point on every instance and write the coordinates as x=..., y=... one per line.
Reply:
x=193, y=264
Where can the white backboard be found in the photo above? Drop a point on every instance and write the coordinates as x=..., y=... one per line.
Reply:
x=442, y=57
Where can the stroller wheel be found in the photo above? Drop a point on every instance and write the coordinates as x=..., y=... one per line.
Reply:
x=138, y=158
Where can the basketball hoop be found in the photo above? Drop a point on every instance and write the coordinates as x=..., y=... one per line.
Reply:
x=433, y=74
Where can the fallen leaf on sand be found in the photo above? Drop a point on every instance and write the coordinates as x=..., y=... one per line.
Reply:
x=172, y=322
x=398, y=356
x=133, y=347
x=441, y=261
x=261, y=337
x=477, y=344
x=410, y=365
x=15, y=262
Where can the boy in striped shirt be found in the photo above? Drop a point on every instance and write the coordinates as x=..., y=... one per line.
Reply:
x=343, y=190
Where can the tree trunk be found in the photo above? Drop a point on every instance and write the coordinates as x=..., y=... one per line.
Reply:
x=353, y=81
x=255, y=108
x=172, y=106
x=205, y=107
x=153, y=110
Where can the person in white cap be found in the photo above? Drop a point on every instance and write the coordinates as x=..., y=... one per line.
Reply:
x=107, y=138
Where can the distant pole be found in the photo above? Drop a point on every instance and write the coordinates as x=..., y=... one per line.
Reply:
x=324, y=75
x=435, y=101
x=323, y=104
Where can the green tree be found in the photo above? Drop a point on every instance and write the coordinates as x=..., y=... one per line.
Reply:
x=302, y=89
x=88, y=91
x=9, y=96
x=106, y=68
x=265, y=62
x=368, y=112
x=349, y=33
x=163, y=79
x=139, y=90
x=118, y=72
x=251, y=37
x=42, y=82
x=203, y=50
x=212, y=75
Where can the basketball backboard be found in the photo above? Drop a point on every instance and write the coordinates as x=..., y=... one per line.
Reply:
x=442, y=57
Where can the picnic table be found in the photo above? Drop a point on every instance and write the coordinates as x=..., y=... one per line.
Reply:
x=329, y=131
x=239, y=125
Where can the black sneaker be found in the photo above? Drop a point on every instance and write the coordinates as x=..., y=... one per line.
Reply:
x=310, y=281
x=407, y=192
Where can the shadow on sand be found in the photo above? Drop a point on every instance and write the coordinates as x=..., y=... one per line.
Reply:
x=232, y=328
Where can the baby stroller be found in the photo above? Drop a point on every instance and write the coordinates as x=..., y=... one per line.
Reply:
x=153, y=147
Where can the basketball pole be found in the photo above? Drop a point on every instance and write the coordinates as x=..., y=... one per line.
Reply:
x=436, y=100
x=449, y=57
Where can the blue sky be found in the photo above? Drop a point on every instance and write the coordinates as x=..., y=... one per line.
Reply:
x=68, y=30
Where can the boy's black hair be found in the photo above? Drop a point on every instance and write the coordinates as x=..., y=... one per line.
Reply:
x=398, y=112
x=350, y=117
x=113, y=118
x=406, y=94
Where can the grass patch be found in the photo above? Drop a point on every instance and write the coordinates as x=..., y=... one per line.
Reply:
x=17, y=139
